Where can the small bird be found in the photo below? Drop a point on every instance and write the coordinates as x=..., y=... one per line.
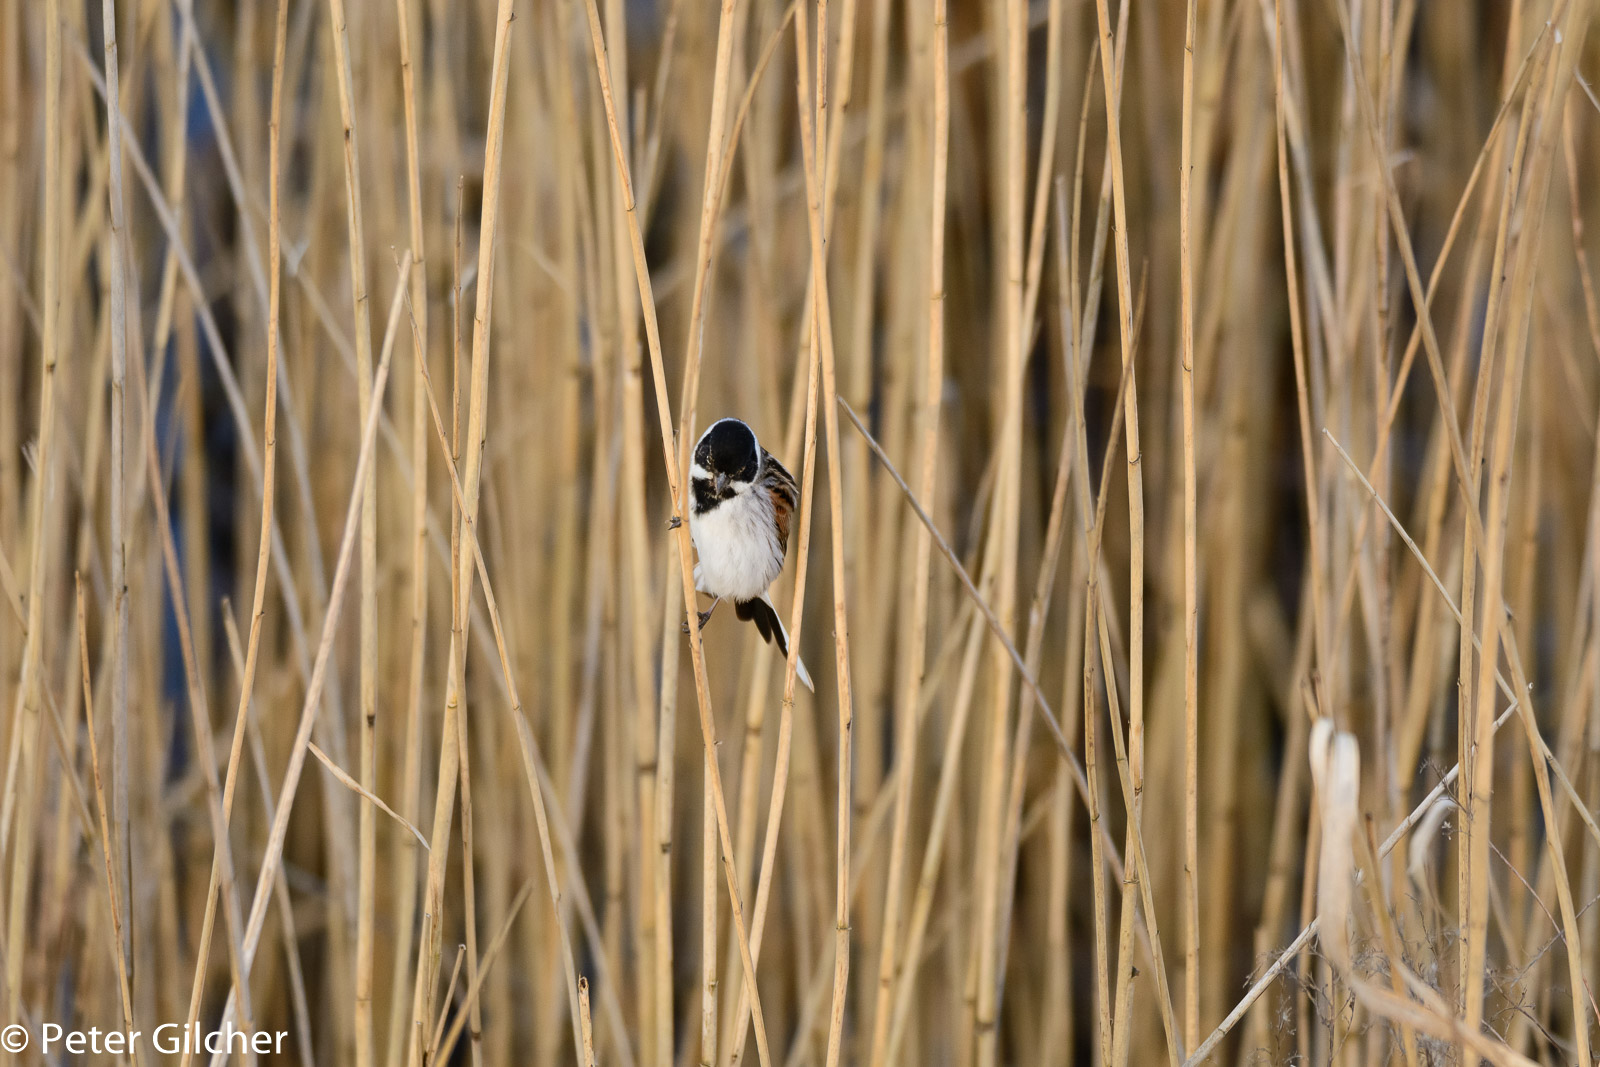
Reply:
x=739, y=520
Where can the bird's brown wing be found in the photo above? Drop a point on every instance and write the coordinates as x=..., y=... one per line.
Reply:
x=785, y=496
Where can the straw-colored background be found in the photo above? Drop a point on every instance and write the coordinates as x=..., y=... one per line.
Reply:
x=428, y=291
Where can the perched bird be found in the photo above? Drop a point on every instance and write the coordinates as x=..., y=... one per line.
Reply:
x=739, y=520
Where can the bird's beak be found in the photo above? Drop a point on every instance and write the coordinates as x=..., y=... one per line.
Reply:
x=722, y=484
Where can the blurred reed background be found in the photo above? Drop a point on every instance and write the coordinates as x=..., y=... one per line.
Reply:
x=338, y=385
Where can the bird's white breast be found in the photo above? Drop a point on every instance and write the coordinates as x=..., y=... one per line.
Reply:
x=738, y=546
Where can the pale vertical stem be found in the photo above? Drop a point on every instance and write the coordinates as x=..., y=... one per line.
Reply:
x=1313, y=509
x=1191, y=648
x=1138, y=865
x=366, y=874
x=813, y=132
x=173, y=304
x=12, y=302
x=1472, y=862
x=1385, y=684
x=932, y=383
x=870, y=540
x=801, y=426
x=1091, y=764
x=708, y=920
x=1297, y=338
x=477, y=415
x=711, y=195
x=943, y=804
x=647, y=774
x=1012, y=832
x=118, y=930
x=634, y=541
x=428, y=947
x=711, y=201
x=1284, y=835
x=1524, y=794
x=1004, y=521
x=655, y=936
x=605, y=296
x=1468, y=483
x=1072, y=303
x=291, y=940
x=1125, y=306
x=1519, y=312
x=405, y=854
x=735, y=1012
x=193, y=475
x=122, y=866
x=997, y=932
x=1469, y=846
x=1467, y=840
x=25, y=736
x=469, y=883
x=780, y=781
x=576, y=238
x=757, y=671
x=661, y=891
x=1591, y=755
x=61, y=822
x=1058, y=1029
x=1079, y=307
x=17, y=308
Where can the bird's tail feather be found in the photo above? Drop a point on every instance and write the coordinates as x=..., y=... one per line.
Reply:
x=761, y=612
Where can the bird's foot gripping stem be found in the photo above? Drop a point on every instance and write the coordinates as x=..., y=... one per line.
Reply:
x=704, y=616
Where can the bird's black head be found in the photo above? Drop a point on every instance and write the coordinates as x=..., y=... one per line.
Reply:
x=729, y=448
x=728, y=454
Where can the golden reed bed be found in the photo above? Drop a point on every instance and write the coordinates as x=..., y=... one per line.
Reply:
x=1205, y=637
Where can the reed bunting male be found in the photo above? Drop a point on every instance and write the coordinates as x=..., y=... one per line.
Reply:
x=739, y=520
